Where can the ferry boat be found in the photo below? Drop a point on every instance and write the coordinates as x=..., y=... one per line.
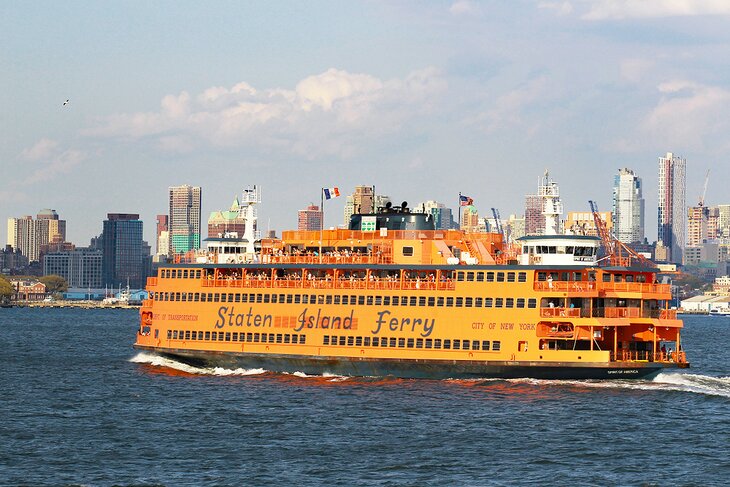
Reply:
x=392, y=296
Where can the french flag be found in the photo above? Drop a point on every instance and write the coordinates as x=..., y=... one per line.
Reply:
x=330, y=193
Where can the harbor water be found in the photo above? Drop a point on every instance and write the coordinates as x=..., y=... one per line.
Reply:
x=79, y=406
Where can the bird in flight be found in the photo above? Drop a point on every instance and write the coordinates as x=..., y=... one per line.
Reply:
x=65, y=103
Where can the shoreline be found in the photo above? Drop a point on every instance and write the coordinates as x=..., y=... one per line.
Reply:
x=70, y=304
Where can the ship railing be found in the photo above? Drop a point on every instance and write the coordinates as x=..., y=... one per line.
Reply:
x=147, y=303
x=667, y=314
x=560, y=312
x=151, y=281
x=588, y=286
x=565, y=286
x=326, y=259
x=344, y=283
x=648, y=356
x=617, y=312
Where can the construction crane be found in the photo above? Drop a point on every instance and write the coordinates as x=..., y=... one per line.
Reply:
x=704, y=189
x=497, y=221
x=617, y=252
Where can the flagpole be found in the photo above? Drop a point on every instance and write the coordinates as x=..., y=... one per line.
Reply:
x=459, y=210
x=321, y=222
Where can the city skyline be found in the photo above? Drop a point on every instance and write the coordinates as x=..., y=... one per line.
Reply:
x=424, y=101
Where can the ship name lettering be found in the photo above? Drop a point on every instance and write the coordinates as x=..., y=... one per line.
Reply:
x=477, y=326
x=395, y=324
x=507, y=326
x=319, y=321
x=231, y=318
x=527, y=326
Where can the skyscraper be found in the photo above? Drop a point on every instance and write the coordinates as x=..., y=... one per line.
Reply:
x=309, y=218
x=163, y=235
x=123, y=259
x=28, y=234
x=671, y=207
x=628, y=207
x=443, y=218
x=361, y=202
x=534, y=219
x=184, y=222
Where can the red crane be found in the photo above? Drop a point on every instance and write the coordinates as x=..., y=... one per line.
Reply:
x=617, y=252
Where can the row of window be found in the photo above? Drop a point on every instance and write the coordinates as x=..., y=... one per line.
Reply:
x=294, y=338
x=348, y=299
x=228, y=336
x=429, y=343
x=468, y=276
x=490, y=276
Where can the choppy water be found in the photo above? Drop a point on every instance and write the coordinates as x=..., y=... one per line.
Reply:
x=78, y=406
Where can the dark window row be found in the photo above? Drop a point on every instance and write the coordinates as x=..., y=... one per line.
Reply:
x=429, y=343
x=491, y=276
x=228, y=336
x=348, y=299
x=469, y=276
x=180, y=273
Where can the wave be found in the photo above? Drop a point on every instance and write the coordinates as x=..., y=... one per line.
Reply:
x=158, y=361
x=665, y=381
x=678, y=382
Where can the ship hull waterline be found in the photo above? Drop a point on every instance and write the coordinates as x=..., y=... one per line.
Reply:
x=415, y=368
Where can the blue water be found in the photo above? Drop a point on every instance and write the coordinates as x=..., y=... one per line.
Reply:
x=78, y=406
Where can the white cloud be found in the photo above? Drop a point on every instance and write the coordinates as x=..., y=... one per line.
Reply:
x=561, y=8
x=42, y=149
x=51, y=159
x=60, y=164
x=689, y=114
x=463, y=7
x=634, y=70
x=509, y=108
x=332, y=113
x=625, y=9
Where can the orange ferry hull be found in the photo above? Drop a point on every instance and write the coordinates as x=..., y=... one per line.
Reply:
x=415, y=369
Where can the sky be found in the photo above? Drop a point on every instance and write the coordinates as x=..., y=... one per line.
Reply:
x=424, y=100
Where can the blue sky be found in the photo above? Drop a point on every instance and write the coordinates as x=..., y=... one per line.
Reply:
x=422, y=99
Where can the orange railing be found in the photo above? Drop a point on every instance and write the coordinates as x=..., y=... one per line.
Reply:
x=648, y=356
x=151, y=281
x=589, y=286
x=560, y=312
x=565, y=286
x=668, y=314
x=379, y=284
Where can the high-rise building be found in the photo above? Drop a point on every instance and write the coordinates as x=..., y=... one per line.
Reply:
x=28, y=235
x=443, y=217
x=309, y=218
x=514, y=227
x=227, y=222
x=163, y=235
x=628, y=207
x=470, y=221
x=80, y=267
x=703, y=224
x=583, y=223
x=123, y=260
x=184, y=221
x=671, y=208
x=534, y=219
x=723, y=222
x=361, y=202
